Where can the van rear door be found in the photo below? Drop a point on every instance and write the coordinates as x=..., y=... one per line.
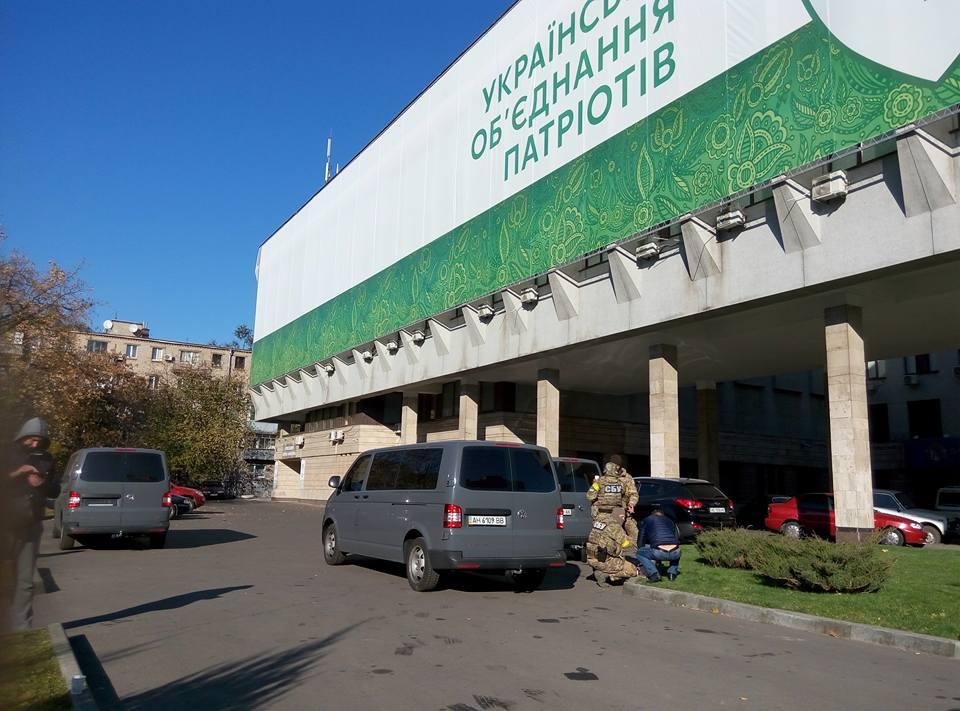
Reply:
x=535, y=532
x=100, y=485
x=575, y=477
x=145, y=483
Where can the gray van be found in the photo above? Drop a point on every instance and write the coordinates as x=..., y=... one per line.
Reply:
x=575, y=477
x=116, y=492
x=450, y=506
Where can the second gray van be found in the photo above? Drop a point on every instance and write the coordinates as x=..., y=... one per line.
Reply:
x=114, y=492
x=449, y=506
x=575, y=477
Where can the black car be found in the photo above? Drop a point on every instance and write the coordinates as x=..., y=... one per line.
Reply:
x=179, y=505
x=693, y=504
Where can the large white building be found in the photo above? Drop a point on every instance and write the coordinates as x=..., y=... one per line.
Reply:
x=602, y=210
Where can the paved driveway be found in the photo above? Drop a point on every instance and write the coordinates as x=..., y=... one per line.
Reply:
x=239, y=612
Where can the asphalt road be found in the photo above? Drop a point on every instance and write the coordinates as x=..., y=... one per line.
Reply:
x=240, y=612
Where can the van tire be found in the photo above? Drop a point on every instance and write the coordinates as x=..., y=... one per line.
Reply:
x=158, y=540
x=66, y=542
x=528, y=580
x=420, y=574
x=332, y=554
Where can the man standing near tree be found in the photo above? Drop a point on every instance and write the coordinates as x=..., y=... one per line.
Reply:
x=27, y=480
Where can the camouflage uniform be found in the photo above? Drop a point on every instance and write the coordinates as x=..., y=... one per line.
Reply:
x=610, y=496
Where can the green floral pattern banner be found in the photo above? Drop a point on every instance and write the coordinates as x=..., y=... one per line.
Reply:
x=800, y=100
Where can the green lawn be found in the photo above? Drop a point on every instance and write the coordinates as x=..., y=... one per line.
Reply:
x=922, y=595
x=29, y=674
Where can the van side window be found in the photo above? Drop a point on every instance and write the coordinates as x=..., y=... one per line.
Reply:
x=532, y=471
x=356, y=475
x=419, y=469
x=383, y=471
x=583, y=476
x=485, y=469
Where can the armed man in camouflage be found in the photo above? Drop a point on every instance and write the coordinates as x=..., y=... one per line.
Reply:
x=612, y=497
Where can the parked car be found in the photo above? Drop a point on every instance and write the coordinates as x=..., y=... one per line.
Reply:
x=813, y=513
x=115, y=492
x=899, y=503
x=193, y=494
x=214, y=489
x=692, y=504
x=180, y=505
x=449, y=506
x=575, y=477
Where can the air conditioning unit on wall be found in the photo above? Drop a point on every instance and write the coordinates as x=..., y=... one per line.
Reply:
x=336, y=436
x=831, y=186
x=911, y=379
x=298, y=440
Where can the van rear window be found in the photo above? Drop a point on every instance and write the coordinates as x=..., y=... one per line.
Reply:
x=142, y=467
x=506, y=469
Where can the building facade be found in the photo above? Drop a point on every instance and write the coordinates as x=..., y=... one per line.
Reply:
x=635, y=228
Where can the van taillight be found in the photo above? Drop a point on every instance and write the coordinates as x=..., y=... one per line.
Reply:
x=560, y=517
x=167, y=500
x=73, y=500
x=689, y=503
x=452, y=516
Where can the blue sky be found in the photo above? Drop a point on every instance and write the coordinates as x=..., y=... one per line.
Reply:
x=157, y=144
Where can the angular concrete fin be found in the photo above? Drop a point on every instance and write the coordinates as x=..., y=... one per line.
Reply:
x=259, y=404
x=475, y=327
x=311, y=383
x=516, y=320
x=926, y=173
x=441, y=337
x=799, y=225
x=339, y=370
x=410, y=349
x=700, y=248
x=624, y=274
x=566, y=295
x=383, y=356
x=361, y=365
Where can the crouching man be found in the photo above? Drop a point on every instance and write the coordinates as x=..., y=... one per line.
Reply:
x=658, y=542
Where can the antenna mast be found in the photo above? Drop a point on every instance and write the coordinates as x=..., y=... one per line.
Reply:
x=326, y=174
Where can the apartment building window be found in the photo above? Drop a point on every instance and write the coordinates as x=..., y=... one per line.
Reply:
x=239, y=362
x=921, y=364
x=876, y=369
x=189, y=357
x=153, y=382
x=924, y=418
x=132, y=349
x=96, y=346
x=156, y=354
x=879, y=415
x=216, y=360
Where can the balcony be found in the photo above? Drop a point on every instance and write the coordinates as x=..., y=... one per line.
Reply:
x=254, y=454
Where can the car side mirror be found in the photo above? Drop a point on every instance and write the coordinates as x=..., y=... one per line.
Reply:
x=334, y=482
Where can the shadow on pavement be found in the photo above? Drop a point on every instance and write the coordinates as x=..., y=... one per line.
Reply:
x=167, y=603
x=97, y=680
x=53, y=555
x=176, y=538
x=557, y=578
x=249, y=683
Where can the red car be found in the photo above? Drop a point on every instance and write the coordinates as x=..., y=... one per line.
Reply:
x=192, y=494
x=814, y=513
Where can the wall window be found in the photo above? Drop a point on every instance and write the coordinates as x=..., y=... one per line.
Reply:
x=239, y=362
x=156, y=354
x=216, y=360
x=879, y=415
x=132, y=349
x=921, y=364
x=924, y=418
x=189, y=357
x=153, y=382
x=876, y=369
x=96, y=346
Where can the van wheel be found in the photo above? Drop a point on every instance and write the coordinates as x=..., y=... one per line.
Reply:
x=158, y=540
x=66, y=542
x=331, y=551
x=420, y=574
x=931, y=534
x=528, y=580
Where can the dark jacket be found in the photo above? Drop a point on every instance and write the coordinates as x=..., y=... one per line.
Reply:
x=657, y=530
x=22, y=503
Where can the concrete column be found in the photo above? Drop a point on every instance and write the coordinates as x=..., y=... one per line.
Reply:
x=849, y=430
x=708, y=432
x=469, y=410
x=664, y=412
x=408, y=418
x=548, y=410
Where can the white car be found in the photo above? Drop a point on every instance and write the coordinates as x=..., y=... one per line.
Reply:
x=900, y=504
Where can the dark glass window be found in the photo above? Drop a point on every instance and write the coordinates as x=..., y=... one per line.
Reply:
x=884, y=501
x=123, y=467
x=575, y=476
x=648, y=488
x=924, y=418
x=813, y=503
x=383, y=471
x=879, y=416
x=356, y=475
x=532, y=470
x=419, y=469
x=704, y=491
x=485, y=469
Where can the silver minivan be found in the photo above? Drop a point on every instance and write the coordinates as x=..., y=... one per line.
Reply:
x=450, y=506
x=114, y=492
x=575, y=477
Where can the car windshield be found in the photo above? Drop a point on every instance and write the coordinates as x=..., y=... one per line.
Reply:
x=906, y=500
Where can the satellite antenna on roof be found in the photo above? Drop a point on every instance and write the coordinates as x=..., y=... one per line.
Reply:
x=108, y=325
x=134, y=327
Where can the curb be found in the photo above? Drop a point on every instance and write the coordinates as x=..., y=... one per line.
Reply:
x=82, y=700
x=316, y=503
x=909, y=641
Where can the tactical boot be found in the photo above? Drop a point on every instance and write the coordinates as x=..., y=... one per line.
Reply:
x=602, y=579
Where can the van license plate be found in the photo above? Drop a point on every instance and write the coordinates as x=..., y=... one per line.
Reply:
x=567, y=511
x=717, y=509
x=487, y=520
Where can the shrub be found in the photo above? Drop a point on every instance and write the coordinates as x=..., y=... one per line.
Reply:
x=816, y=565
x=728, y=548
